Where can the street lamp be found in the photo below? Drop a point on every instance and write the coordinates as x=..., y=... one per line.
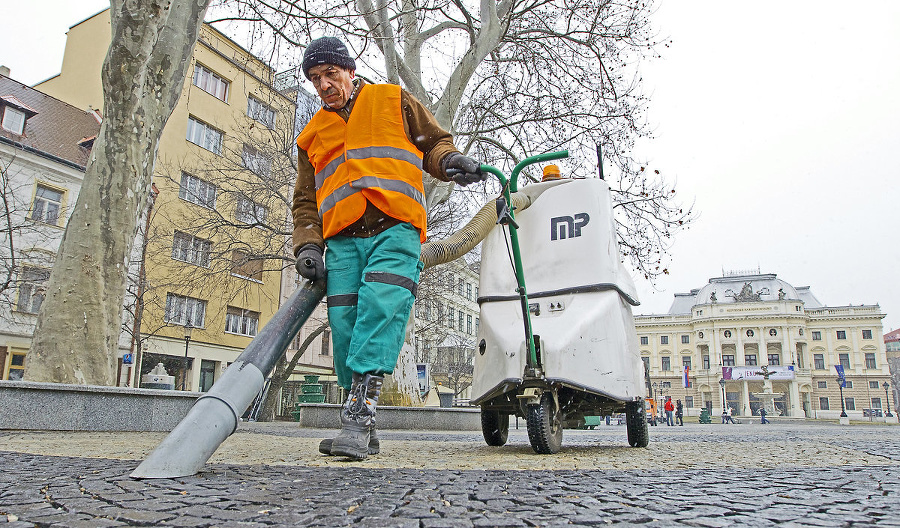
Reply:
x=840, y=382
x=887, y=400
x=722, y=384
x=188, y=328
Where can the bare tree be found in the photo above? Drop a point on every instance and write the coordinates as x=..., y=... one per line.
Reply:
x=512, y=79
x=79, y=322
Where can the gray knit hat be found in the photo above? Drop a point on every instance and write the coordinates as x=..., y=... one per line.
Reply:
x=327, y=50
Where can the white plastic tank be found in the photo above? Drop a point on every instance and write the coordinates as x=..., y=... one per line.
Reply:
x=579, y=293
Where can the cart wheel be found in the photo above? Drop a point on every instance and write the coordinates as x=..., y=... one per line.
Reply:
x=544, y=426
x=494, y=427
x=636, y=424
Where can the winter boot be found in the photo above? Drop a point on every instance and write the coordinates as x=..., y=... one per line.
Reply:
x=356, y=418
x=374, y=444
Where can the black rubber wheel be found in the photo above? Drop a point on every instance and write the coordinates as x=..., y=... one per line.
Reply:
x=494, y=427
x=544, y=426
x=636, y=424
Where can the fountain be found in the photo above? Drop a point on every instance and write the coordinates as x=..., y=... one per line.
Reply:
x=767, y=397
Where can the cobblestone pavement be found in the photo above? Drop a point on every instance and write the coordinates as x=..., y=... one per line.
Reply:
x=792, y=474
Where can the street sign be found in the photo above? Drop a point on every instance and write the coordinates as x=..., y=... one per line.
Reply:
x=127, y=359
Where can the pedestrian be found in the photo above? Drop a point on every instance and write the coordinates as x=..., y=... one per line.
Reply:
x=729, y=415
x=670, y=408
x=679, y=413
x=762, y=416
x=360, y=194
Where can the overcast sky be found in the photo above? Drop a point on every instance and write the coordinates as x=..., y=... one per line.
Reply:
x=776, y=117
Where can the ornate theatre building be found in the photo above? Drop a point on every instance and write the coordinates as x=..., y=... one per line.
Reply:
x=710, y=350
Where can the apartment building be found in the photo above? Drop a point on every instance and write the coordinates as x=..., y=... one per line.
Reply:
x=217, y=234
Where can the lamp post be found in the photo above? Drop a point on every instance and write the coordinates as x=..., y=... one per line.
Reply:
x=887, y=399
x=840, y=382
x=188, y=328
x=724, y=405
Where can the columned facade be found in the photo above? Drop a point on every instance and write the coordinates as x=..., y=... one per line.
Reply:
x=767, y=341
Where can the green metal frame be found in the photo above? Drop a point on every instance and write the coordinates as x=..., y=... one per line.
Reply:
x=510, y=186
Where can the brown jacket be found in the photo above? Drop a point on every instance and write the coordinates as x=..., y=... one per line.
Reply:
x=422, y=130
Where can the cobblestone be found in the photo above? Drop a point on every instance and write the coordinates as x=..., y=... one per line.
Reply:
x=790, y=474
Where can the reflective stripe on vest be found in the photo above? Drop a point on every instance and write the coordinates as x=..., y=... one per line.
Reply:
x=367, y=159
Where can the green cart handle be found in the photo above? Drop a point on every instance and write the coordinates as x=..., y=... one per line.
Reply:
x=510, y=186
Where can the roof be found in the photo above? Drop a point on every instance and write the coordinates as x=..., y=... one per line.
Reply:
x=743, y=288
x=54, y=128
x=892, y=336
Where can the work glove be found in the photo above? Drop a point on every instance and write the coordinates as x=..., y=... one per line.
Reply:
x=310, y=264
x=463, y=170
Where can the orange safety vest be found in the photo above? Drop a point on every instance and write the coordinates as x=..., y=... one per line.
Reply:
x=365, y=159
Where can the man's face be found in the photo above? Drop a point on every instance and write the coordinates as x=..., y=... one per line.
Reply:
x=333, y=84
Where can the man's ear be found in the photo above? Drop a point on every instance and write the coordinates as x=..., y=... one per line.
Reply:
x=352, y=73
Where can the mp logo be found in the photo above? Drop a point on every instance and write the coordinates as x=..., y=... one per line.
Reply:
x=567, y=226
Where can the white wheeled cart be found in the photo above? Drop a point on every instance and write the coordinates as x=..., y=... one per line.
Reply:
x=566, y=347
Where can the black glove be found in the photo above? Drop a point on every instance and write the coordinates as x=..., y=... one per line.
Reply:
x=310, y=263
x=463, y=170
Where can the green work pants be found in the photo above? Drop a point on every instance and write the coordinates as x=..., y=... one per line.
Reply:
x=371, y=288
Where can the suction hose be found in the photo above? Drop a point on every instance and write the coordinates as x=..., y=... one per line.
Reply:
x=461, y=242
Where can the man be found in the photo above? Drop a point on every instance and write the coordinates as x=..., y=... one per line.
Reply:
x=762, y=416
x=729, y=415
x=670, y=408
x=360, y=193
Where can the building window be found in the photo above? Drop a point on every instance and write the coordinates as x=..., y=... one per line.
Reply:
x=16, y=367
x=849, y=404
x=469, y=291
x=688, y=401
x=817, y=335
x=728, y=360
x=326, y=343
x=750, y=333
x=706, y=362
x=727, y=333
x=245, y=267
x=469, y=324
x=800, y=331
x=821, y=384
x=665, y=384
x=461, y=320
x=451, y=316
x=666, y=363
x=750, y=359
x=774, y=359
x=191, y=249
x=867, y=334
x=477, y=321
x=199, y=133
x=47, y=203
x=686, y=361
x=823, y=404
x=32, y=289
x=841, y=334
x=240, y=321
x=870, y=361
x=255, y=161
x=819, y=361
x=195, y=190
x=773, y=332
x=844, y=360
x=460, y=287
x=685, y=339
x=250, y=212
x=663, y=340
x=848, y=384
x=259, y=111
x=182, y=310
x=210, y=83
x=876, y=403
x=646, y=362
x=645, y=340
x=873, y=385
x=700, y=334
x=13, y=120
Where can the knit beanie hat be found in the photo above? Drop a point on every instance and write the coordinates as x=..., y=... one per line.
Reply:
x=327, y=50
